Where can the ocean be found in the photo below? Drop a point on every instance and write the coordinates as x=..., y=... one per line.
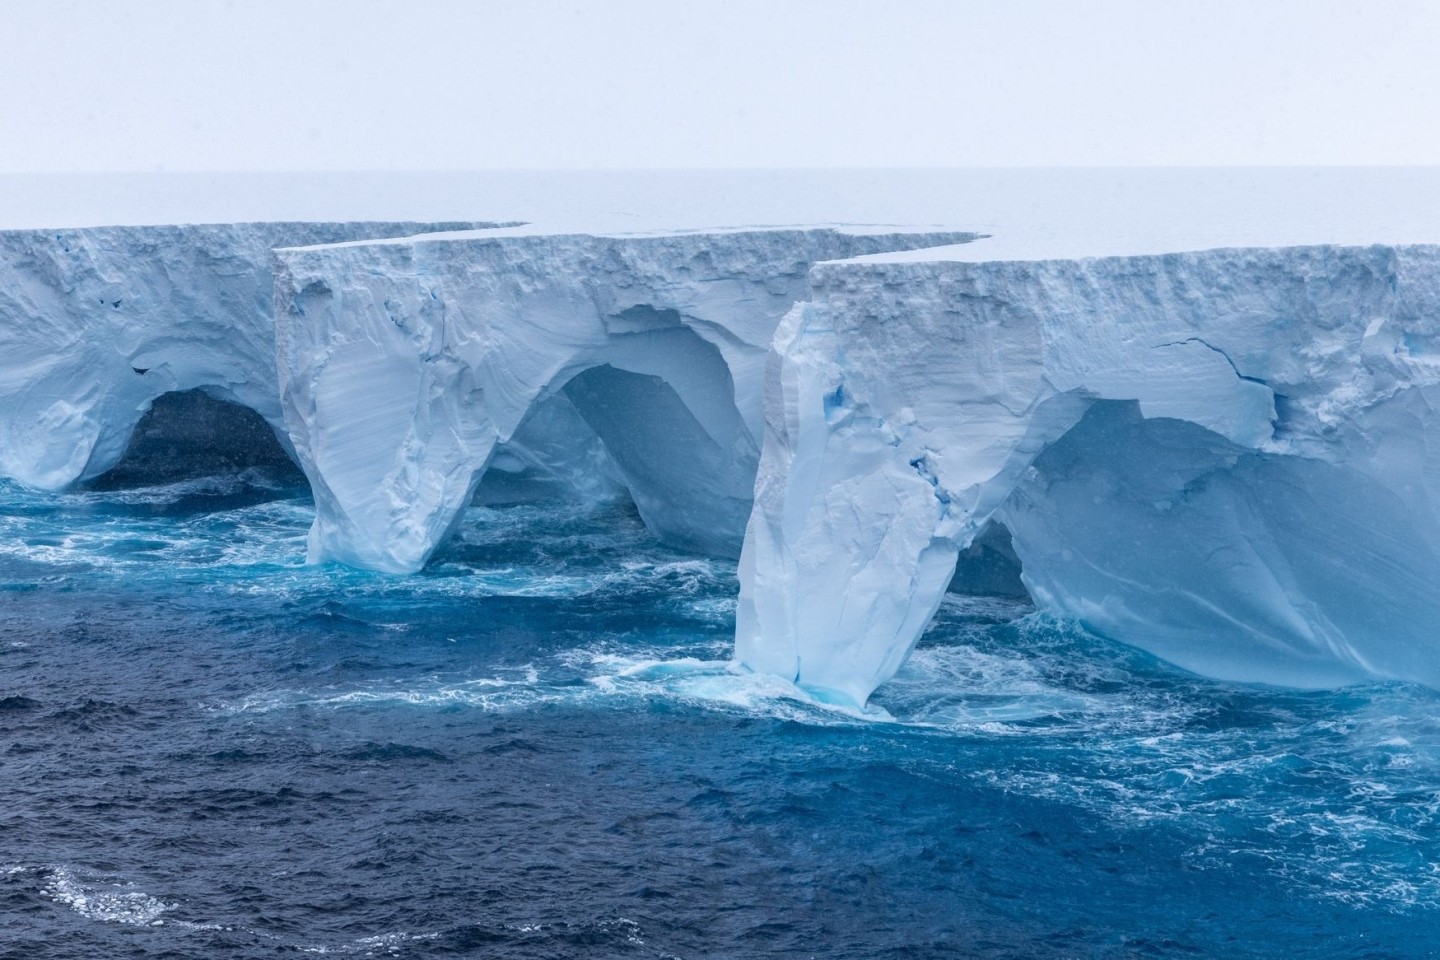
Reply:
x=538, y=747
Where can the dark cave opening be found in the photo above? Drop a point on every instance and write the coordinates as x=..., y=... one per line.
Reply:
x=989, y=567
x=191, y=434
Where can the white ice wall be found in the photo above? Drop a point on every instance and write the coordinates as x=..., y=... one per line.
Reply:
x=1227, y=457
x=96, y=323
x=911, y=402
x=404, y=363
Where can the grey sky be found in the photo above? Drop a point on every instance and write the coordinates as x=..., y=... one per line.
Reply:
x=352, y=85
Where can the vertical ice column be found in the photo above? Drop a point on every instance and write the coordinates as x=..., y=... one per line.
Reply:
x=845, y=558
x=904, y=403
x=378, y=401
x=867, y=491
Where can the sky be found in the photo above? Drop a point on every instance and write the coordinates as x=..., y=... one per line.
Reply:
x=205, y=85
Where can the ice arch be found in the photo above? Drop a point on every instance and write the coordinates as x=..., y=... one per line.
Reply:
x=1228, y=457
x=405, y=364
x=1234, y=563
x=989, y=566
x=681, y=447
x=96, y=323
x=553, y=455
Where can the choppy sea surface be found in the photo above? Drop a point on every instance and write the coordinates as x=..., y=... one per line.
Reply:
x=538, y=748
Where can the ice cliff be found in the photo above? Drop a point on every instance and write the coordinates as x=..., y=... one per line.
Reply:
x=404, y=364
x=1229, y=458
x=96, y=323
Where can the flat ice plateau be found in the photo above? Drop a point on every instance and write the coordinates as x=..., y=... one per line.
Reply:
x=1198, y=403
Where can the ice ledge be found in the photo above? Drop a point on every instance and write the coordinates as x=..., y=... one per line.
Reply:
x=933, y=237
x=1226, y=457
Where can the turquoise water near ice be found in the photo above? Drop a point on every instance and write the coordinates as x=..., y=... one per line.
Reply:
x=538, y=748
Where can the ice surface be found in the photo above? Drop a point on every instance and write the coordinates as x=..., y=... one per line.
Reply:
x=404, y=363
x=1030, y=212
x=1225, y=457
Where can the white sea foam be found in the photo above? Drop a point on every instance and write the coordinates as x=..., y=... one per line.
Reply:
x=104, y=901
x=384, y=944
x=608, y=678
x=1149, y=756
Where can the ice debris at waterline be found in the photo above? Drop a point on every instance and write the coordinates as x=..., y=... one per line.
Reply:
x=1224, y=457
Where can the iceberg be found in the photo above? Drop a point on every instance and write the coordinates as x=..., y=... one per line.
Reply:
x=1227, y=457
x=404, y=365
x=97, y=323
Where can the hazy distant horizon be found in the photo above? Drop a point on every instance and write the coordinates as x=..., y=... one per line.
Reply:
x=643, y=84
x=1030, y=212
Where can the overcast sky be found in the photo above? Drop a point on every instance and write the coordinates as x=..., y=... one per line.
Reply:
x=354, y=85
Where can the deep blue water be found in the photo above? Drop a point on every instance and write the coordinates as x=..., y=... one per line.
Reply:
x=537, y=749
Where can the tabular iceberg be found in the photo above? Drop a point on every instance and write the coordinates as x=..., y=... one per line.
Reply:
x=1226, y=457
x=403, y=364
x=1229, y=458
x=96, y=323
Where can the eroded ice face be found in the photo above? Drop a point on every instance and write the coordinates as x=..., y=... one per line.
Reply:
x=404, y=364
x=1225, y=458
x=96, y=323
x=911, y=403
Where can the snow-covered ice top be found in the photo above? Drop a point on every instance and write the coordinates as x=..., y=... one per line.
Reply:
x=1030, y=213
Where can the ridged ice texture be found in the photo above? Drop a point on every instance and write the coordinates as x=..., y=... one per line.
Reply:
x=403, y=364
x=1229, y=458
x=96, y=323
